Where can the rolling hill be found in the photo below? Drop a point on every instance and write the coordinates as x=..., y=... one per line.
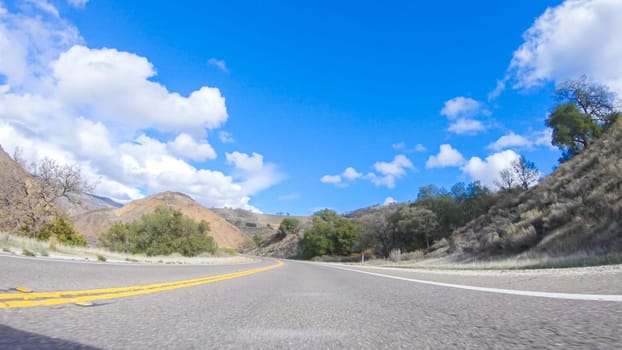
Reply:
x=94, y=223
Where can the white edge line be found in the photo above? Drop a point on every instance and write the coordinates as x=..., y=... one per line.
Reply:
x=568, y=296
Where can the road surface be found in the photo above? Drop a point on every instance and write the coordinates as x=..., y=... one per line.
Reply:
x=290, y=305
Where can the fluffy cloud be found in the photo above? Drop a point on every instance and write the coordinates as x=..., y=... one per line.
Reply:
x=461, y=107
x=225, y=137
x=574, y=38
x=395, y=168
x=63, y=100
x=512, y=140
x=487, y=171
x=185, y=146
x=387, y=173
x=331, y=179
x=508, y=141
x=461, y=110
x=446, y=157
x=351, y=174
x=466, y=126
x=116, y=87
x=245, y=162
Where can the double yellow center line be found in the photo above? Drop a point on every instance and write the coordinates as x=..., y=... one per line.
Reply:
x=84, y=297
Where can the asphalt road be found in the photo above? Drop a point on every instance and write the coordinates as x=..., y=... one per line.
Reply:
x=293, y=306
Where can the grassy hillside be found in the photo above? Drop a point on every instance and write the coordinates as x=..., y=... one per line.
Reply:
x=577, y=210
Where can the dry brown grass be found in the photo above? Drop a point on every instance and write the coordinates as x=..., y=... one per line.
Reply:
x=575, y=212
x=16, y=245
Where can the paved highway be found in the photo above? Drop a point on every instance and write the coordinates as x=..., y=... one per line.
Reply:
x=295, y=305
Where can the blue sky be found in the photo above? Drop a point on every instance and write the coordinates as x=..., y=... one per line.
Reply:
x=291, y=107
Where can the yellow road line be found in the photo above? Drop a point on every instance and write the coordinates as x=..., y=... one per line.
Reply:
x=56, y=298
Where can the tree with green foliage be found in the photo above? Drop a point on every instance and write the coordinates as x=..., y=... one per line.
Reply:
x=288, y=225
x=163, y=232
x=595, y=101
x=415, y=227
x=586, y=109
x=330, y=234
x=573, y=131
x=61, y=230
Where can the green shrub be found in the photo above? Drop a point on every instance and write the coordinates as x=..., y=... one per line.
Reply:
x=163, y=232
x=101, y=258
x=62, y=230
x=27, y=252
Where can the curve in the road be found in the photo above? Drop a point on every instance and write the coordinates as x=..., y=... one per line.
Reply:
x=84, y=297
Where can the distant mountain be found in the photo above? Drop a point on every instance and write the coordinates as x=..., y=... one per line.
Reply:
x=106, y=200
x=95, y=222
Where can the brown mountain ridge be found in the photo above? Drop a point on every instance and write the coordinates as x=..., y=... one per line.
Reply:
x=93, y=223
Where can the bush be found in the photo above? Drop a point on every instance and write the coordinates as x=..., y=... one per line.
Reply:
x=62, y=231
x=163, y=232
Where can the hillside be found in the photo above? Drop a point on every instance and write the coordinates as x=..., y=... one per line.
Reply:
x=94, y=223
x=251, y=224
x=576, y=210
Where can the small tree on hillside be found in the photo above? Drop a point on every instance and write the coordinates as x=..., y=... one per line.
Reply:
x=520, y=175
x=30, y=195
x=585, y=110
x=288, y=225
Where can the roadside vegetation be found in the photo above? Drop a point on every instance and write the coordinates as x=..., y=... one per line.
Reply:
x=29, y=195
x=163, y=232
x=12, y=244
x=570, y=218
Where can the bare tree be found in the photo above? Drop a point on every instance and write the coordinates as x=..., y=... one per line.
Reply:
x=30, y=193
x=594, y=100
x=526, y=173
x=521, y=174
x=506, y=181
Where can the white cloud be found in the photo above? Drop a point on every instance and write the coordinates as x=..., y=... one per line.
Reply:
x=466, y=126
x=220, y=64
x=45, y=7
x=331, y=179
x=498, y=89
x=577, y=37
x=461, y=107
x=389, y=200
x=245, y=162
x=388, y=172
x=185, y=146
x=78, y=3
x=225, y=137
x=351, y=174
x=395, y=168
x=74, y=104
x=487, y=171
x=544, y=138
x=446, y=157
x=510, y=140
x=401, y=146
x=116, y=86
